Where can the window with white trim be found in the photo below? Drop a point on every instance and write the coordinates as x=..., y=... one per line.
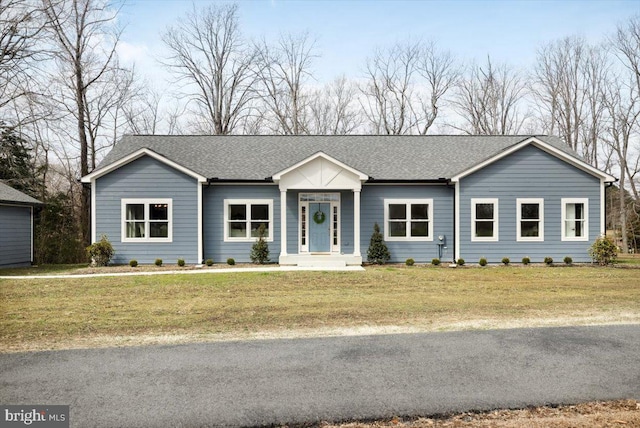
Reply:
x=530, y=224
x=484, y=219
x=575, y=219
x=146, y=220
x=243, y=217
x=408, y=219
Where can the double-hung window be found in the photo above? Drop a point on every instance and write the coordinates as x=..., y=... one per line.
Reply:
x=575, y=220
x=408, y=219
x=530, y=223
x=146, y=220
x=484, y=219
x=243, y=217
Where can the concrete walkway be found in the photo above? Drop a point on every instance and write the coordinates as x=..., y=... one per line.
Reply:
x=304, y=381
x=193, y=271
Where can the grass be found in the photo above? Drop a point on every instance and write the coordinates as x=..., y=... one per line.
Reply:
x=42, y=270
x=45, y=313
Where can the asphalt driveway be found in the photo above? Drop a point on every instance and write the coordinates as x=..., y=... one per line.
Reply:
x=253, y=383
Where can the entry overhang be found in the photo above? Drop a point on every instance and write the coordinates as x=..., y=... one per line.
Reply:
x=320, y=172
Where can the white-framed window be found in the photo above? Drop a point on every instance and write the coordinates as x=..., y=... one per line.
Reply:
x=575, y=219
x=530, y=223
x=484, y=219
x=243, y=217
x=147, y=220
x=408, y=219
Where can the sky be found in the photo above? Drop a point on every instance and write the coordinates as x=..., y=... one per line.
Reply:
x=347, y=32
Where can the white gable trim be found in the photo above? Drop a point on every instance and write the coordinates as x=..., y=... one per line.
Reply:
x=546, y=148
x=361, y=176
x=137, y=155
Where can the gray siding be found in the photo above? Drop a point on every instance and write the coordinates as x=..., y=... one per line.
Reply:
x=213, y=199
x=528, y=173
x=15, y=235
x=372, y=211
x=149, y=178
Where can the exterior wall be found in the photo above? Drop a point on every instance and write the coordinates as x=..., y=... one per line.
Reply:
x=15, y=235
x=213, y=221
x=372, y=211
x=149, y=178
x=346, y=220
x=528, y=173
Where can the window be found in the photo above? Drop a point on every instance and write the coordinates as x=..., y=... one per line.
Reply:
x=242, y=218
x=575, y=221
x=408, y=219
x=530, y=220
x=484, y=219
x=146, y=220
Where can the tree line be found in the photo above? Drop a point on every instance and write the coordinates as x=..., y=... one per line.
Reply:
x=66, y=98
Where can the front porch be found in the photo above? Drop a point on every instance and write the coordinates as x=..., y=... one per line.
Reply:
x=320, y=224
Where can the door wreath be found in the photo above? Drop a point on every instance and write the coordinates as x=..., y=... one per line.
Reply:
x=319, y=217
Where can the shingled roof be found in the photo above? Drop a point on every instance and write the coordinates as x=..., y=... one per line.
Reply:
x=380, y=157
x=10, y=195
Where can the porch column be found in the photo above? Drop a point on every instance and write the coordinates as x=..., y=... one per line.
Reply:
x=283, y=222
x=356, y=222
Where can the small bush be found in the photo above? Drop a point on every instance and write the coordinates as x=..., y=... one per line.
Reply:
x=435, y=262
x=231, y=261
x=409, y=262
x=548, y=261
x=158, y=262
x=133, y=263
x=460, y=262
x=101, y=252
x=506, y=261
x=603, y=251
x=260, y=249
x=568, y=260
x=526, y=260
x=378, y=251
x=181, y=262
x=209, y=262
x=482, y=261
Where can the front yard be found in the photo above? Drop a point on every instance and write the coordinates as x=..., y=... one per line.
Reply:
x=115, y=311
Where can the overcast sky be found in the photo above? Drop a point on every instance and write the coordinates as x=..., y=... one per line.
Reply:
x=348, y=31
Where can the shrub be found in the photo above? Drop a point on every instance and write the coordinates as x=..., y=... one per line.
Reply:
x=435, y=262
x=548, y=261
x=526, y=260
x=410, y=262
x=158, y=262
x=101, y=252
x=506, y=261
x=482, y=261
x=133, y=263
x=378, y=251
x=181, y=262
x=209, y=262
x=460, y=262
x=260, y=249
x=231, y=261
x=603, y=251
x=568, y=260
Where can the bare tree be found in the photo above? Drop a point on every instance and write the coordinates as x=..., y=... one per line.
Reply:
x=214, y=65
x=283, y=70
x=405, y=87
x=21, y=27
x=490, y=100
x=85, y=41
x=569, y=78
x=333, y=109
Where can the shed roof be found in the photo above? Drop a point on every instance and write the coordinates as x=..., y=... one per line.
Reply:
x=10, y=195
x=380, y=157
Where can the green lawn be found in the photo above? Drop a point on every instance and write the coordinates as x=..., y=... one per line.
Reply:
x=46, y=313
